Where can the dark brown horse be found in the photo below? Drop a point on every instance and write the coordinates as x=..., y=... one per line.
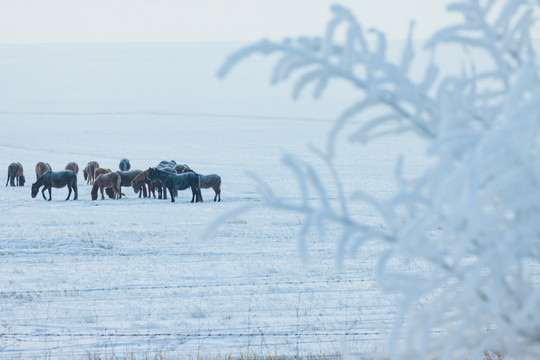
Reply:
x=15, y=173
x=127, y=177
x=42, y=168
x=88, y=172
x=109, y=180
x=100, y=171
x=207, y=181
x=58, y=180
x=73, y=167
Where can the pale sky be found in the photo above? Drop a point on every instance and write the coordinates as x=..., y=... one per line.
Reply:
x=75, y=21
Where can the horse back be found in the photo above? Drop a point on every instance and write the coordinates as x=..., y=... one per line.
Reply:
x=128, y=176
x=211, y=180
x=60, y=179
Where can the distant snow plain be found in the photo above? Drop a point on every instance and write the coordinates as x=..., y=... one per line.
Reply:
x=134, y=276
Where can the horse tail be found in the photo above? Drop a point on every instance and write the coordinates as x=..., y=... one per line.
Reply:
x=85, y=173
x=119, y=186
x=8, y=175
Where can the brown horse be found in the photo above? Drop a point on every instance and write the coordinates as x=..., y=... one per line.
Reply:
x=108, y=180
x=207, y=181
x=42, y=168
x=141, y=182
x=126, y=177
x=88, y=172
x=15, y=172
x=73, y=167
x=100, y=171
x=57, y=180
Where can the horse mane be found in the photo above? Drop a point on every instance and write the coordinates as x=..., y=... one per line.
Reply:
x=140, y=178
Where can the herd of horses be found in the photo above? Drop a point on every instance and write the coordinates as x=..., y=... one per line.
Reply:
x=167, y=176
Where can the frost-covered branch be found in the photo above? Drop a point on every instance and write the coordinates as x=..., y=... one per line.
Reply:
x=468, y=229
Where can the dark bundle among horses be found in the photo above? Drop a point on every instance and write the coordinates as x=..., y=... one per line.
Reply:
x=15, y=174
x=124, y=165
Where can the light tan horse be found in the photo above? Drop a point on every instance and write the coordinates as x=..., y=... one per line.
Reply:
x=88, y=172
x=42, y=168
x=73, y=167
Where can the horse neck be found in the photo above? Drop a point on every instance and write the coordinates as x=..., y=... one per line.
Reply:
x=41, y=180
x=142, y=177
x=95, y=187
x=162, y=175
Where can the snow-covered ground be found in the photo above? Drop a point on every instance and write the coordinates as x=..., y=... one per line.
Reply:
x=134, y=275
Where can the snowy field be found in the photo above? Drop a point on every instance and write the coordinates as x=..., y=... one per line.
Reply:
x=134, y=275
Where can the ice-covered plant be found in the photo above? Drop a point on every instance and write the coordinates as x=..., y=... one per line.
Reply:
x=470, y=225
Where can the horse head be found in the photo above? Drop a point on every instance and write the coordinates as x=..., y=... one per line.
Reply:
x=35, y=190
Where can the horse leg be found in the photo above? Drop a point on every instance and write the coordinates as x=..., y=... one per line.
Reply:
x=171, y=190
x=7, y=178
x=69, y=191
x=76, y=190
x=164, y=189
x=193, y=193
x=101, y=189
x=50, y=193
x=43, y=192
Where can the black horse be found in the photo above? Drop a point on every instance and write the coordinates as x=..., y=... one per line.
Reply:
x=57, y=179
x=124, y=165
x=178, y=182
x=167, y=166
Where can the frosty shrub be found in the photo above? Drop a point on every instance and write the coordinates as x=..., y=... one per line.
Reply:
x=471, y=223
